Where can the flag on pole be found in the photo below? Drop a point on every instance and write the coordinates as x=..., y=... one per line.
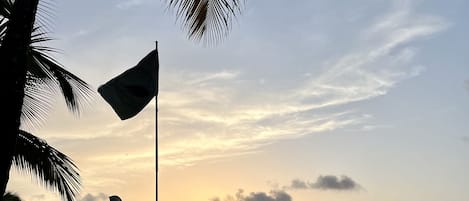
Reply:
x=131, y=91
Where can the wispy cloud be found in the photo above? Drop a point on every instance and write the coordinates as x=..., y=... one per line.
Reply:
x=212, y=115
x=133, y=154
x=126, y=4
x=203, y=119
x=383, y=59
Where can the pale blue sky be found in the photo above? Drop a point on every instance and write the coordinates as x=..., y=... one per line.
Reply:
x=371, y=89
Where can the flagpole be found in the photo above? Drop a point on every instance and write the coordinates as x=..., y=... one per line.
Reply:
x=156, y=123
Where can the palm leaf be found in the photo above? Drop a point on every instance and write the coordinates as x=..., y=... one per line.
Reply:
x=74, y=90
x=37, y=101
x=11, y=197
x=44, y=15
x=46, y=77
x=46, y=74
x=206, y=20
x=5, y=8
x=52, y=168
x=3, y=28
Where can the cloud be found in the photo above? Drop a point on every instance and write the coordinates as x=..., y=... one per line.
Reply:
x=273, y=196
x=213, y=115
x=383, y=59
x=257, y=196
x=298, y=184
x=126, y=4
x=98, y=197
x=210, y=115
x=328, y=182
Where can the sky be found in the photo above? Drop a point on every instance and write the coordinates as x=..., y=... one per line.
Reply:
x=319, y=100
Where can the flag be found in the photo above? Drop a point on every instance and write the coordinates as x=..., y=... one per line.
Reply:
x=131, y=91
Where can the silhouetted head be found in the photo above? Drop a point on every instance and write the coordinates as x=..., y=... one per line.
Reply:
x=114, y=198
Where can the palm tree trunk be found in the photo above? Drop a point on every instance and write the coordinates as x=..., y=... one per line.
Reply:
x=13, y=57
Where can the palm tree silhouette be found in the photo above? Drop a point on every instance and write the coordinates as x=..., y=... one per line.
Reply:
x=24, y=65
x=30, y=71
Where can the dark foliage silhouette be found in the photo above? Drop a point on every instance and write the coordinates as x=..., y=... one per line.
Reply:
x=53, y=168
x=31, y=76
x=208, y=21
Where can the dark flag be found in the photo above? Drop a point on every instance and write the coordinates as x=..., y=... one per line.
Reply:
x=132, y=90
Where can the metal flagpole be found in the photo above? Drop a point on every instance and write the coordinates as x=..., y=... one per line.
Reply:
x=156, y=121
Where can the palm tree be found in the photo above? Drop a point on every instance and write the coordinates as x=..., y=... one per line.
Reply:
x=34, y=71
x=33, y=155
x=24, y=65
x=14, y=57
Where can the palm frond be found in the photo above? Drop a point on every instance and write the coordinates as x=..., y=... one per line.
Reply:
x=5, y=8
x=45, y=77
x=43, y=66
x=75, y=90
x=37, y=102
x=45, y=73
x=45, y=15
x=11, y=197
x=3, y=28
x=51, y=168
x=208, y=21
x=44, y=18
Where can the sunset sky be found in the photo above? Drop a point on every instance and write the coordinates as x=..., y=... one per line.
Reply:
x=307, y=100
